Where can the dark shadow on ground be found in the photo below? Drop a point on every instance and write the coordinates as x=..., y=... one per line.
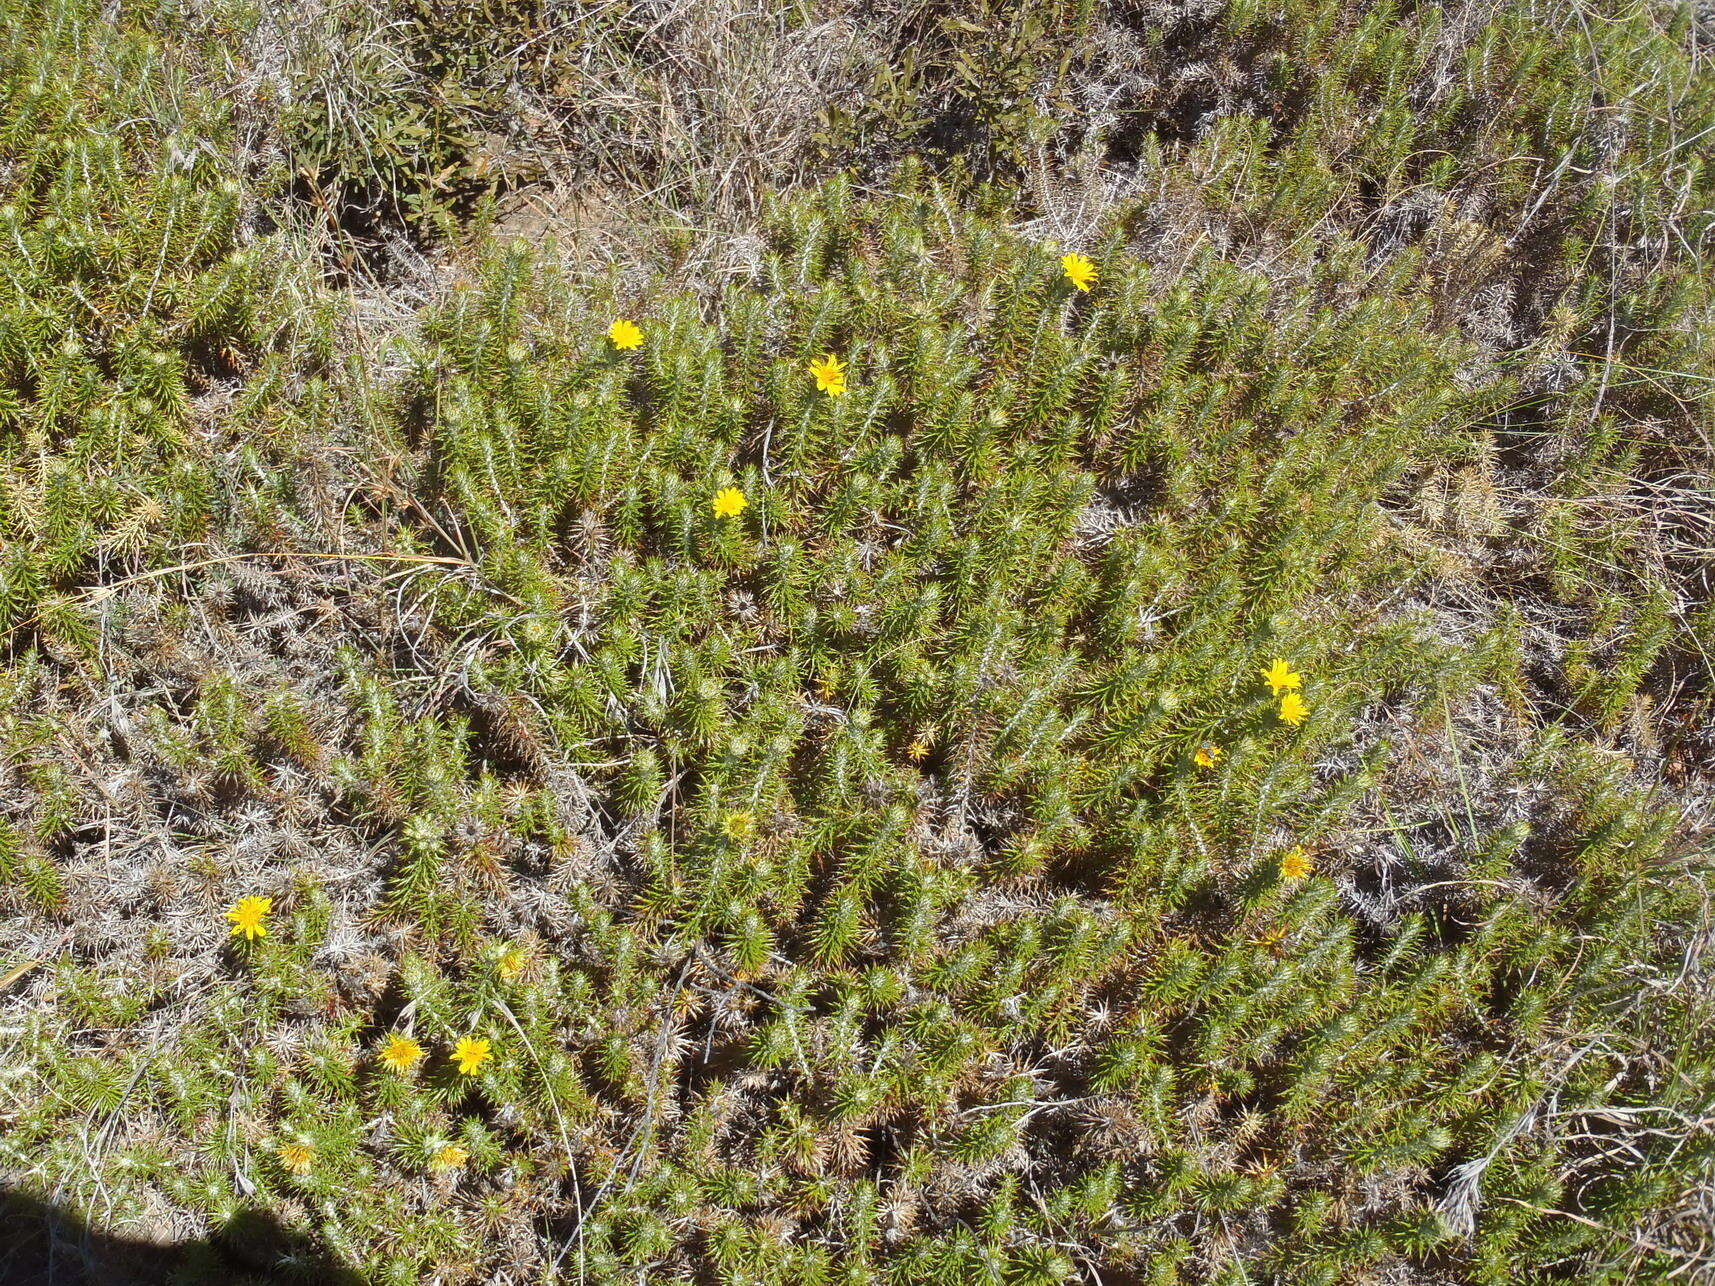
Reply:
x=44, y=1245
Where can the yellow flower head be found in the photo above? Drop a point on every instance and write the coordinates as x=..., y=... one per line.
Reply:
x=296, y=1157
x=470, y=1054
x=1293, y=709
x=729, y=502
x=738, y=826
x=1208, y=756
x=918, y=750
x=1271, y=937
x=401, y=1053
x=249, y=916
x=624, y=334
x=512, y=962
x=1079, y=270
x=1294, y=863
x=830, y=374
x=450, y=1156
x=1281, y=677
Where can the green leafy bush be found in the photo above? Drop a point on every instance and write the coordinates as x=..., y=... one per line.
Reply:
x=1085, y=793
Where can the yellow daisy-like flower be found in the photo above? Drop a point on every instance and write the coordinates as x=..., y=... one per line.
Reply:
x=624, y=334
x=1292, y=709
x=296, y=1157
x=401, y=1053
x=830, y=374
x=1281, y=677
x=449, y=1156
x=729, y=502
x=1294, y=863
x=470, y=1054
x=1079, y=270
x=1208, y=756
x=249, y=917
x=738, y=826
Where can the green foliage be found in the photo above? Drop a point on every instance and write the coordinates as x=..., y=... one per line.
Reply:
x=126, y=290
x=400, y=109
x=894, y=880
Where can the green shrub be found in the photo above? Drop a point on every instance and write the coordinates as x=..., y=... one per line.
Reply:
x=1100, y=805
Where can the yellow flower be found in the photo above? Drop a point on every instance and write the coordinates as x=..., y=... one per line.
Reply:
x=1294, y=863
x=917, y=751
x=470, y=1054
x=296, y=1157
x=1293, y=709
x=1208, y=756
x=450, y=1156
x=1079, y=270
x=401, y=1053
x=729, y=502
x=247, y=916
x=830, y=374
x=512, y=962
x=1281, y=677
x=738, y=826
x=1270, y=938
x=624, y=334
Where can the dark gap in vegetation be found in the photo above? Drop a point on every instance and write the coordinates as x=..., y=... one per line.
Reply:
x=45, y=1245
